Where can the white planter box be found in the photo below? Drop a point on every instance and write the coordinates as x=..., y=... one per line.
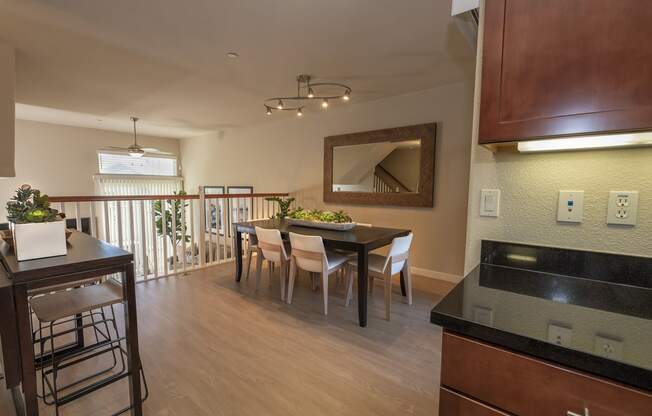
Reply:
x=38, y=240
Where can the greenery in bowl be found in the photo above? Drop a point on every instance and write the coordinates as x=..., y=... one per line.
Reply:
x=28, y=206
x=338, y=217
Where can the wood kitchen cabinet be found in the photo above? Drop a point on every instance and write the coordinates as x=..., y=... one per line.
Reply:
x=480, y=379
x=565, y=67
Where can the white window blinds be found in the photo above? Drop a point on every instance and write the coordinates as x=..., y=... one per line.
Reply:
x=123, y=164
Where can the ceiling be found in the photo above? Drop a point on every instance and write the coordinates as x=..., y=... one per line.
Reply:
x=165, y=60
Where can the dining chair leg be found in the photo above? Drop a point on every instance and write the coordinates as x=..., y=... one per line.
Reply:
x=313, y=281
x=283, y=275
x=249, y=251
x=349, y=285
x=324, y=289
x=388, y=295
x=270, y=266
x=259, y=267
x=293, y=273
x=408, y=280
x=371, y=283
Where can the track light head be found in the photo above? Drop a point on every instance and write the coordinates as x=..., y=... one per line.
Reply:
x=324, y=103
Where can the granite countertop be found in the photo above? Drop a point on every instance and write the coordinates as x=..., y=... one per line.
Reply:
x=556, y=317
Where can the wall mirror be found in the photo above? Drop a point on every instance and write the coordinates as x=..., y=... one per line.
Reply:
x=381, y=167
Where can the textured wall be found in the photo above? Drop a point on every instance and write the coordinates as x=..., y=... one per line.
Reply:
x=530, y=184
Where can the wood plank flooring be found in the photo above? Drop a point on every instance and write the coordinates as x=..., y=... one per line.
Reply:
x=211, y=346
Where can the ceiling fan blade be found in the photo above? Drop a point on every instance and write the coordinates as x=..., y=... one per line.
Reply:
x=154, y=150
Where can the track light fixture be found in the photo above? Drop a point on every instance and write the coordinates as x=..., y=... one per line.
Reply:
x=307, y=90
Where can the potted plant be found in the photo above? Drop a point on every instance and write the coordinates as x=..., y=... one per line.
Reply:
x=283, y=206
x=38, y=231
x=174, y=207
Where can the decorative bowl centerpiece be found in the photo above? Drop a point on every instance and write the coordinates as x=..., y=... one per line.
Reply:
x=328, y=220
x=37, y=230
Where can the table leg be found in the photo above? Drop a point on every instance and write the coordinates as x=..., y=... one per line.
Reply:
x=403, y=291
x=131, y=330
x=26, y=350
x=238, y=255
x=363, y=255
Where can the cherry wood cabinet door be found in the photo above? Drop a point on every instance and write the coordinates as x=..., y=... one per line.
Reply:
x=565, y=67
x=525, y=386
x=455, y=404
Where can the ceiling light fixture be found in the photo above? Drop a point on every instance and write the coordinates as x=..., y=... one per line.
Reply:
x=307, y=90
x=232, y=55
x=586, y=142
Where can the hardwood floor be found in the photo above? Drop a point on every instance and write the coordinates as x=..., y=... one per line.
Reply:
x=211, y=346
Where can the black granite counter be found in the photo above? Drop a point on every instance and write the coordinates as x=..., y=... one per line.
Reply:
x=602, y=326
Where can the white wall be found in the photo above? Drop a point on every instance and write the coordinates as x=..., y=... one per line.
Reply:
x=7, y=97
x=530, y=184
x=61, y=160
x=287, y=155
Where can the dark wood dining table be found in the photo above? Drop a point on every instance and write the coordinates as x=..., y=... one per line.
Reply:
x=360, y=240
x=86, y=257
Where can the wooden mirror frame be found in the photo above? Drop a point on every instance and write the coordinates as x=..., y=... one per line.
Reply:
x=423, y=198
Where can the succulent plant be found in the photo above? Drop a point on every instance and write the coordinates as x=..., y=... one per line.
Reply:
x=28, y=205
x=283, y=205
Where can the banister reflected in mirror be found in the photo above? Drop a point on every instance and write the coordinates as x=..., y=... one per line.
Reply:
x=382, y=167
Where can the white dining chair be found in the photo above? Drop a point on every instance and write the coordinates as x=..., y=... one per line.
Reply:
x=309, y=254
x=396, y=261
x=272, y=248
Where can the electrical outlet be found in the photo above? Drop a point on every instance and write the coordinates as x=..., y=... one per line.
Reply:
x=608, y=347
x=560, y=335
x=622, y=208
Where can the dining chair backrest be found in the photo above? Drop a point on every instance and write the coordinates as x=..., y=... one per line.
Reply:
x=398, y=253
x=271, y=244
x=309, y=252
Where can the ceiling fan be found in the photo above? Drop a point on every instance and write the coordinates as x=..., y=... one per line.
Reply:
x=135, y=150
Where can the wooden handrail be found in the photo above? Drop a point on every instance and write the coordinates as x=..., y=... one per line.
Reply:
x=92, y=198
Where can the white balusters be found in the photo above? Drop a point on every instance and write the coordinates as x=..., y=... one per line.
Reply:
x=154, y=238
x=192, y=234
x=143, y=240
x=182, y=202
x=93, y=219
x=174, y=235
x=164, y=223
x=119, y=211
x=78, y=223
x=107, y=223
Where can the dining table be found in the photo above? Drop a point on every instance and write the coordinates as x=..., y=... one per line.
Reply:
x=360, y=240
x=86, y=257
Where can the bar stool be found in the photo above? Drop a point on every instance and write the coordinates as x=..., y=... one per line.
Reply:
x=53, y=311
x=397, y=260
x=275, y=251
x=308, y=253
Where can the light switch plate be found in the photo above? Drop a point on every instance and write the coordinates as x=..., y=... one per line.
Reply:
x=622, y=208
x=571, y=206
x=489, y=202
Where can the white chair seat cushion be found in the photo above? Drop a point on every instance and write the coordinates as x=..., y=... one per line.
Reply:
x=335, y=259
x=375, y=262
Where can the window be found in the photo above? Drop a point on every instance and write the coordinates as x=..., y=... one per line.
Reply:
x=240, y=207
x=215, y=210
x=122, y=164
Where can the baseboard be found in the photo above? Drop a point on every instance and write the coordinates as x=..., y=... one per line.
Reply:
x=432, y=274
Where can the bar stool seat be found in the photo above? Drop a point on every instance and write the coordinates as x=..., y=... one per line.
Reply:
x=71, y=302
